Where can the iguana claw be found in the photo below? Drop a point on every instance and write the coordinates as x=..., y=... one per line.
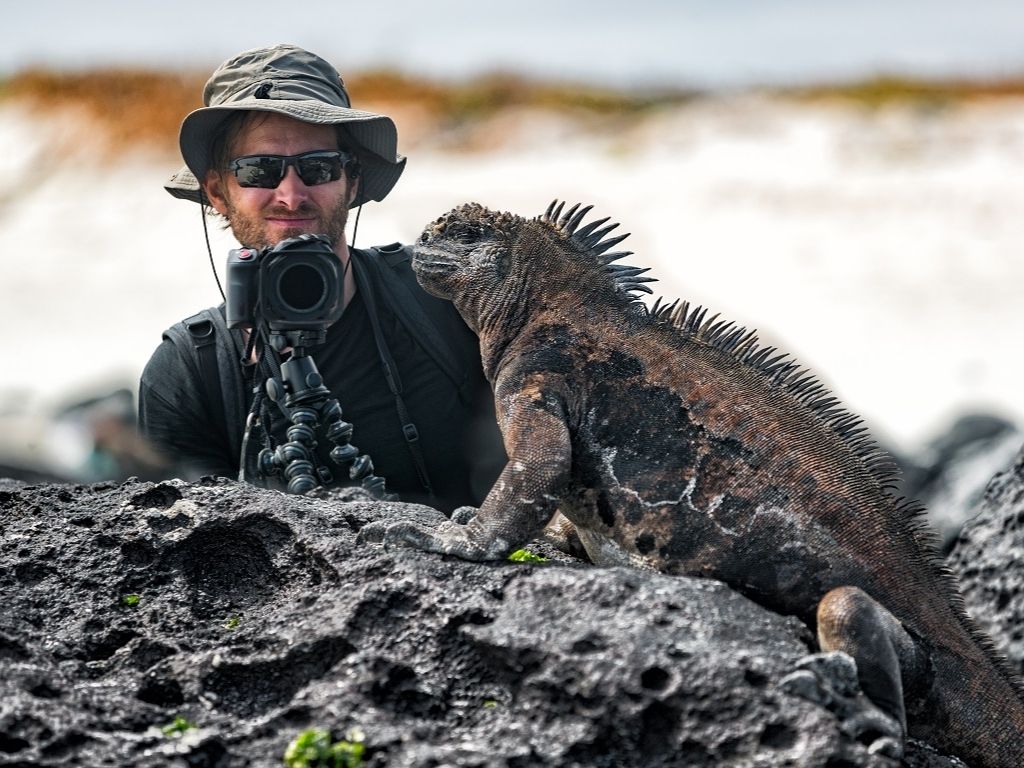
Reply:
x=373, y=533
x=448, y=538
x=830, y=680
x=392, y=533
x=463, y=515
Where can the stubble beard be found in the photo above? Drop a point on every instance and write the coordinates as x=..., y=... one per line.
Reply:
x=251, y=231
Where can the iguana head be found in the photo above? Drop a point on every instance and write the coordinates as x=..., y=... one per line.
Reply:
x=469, y=248
x=496, y=265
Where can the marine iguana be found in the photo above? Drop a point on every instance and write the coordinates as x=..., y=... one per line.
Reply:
x=676, y=442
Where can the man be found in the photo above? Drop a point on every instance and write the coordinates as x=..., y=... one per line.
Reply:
x=278, y=151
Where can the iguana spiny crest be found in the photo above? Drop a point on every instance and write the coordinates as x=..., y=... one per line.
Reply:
x=484, y=249
x=495, y=246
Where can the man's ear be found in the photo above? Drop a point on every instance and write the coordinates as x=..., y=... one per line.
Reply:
x=214, y=189
x=353, y=189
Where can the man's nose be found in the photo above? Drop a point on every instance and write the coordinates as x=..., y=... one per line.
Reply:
x=292, y=191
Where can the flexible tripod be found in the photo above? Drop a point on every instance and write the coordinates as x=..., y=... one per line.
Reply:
x=302, y=397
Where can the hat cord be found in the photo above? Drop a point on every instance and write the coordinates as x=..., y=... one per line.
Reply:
x=203, y=211
x=355, y=226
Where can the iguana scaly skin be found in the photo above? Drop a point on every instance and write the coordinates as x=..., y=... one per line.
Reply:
x=675, y=442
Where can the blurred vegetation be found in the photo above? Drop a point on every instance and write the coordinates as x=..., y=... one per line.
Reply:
x=140, y=107
x=125, y=106
x=484, y=95
x=888, y=90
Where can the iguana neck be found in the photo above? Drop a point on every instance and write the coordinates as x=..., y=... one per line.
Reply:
x=492, y=353
x=496, y=337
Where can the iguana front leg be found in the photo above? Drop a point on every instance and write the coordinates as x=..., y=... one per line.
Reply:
x=523, y=499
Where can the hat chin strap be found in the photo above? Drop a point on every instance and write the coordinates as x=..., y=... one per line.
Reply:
x=204, y=212
x=355, y=226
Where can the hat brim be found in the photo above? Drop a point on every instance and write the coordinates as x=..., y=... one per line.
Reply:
x=375, y=134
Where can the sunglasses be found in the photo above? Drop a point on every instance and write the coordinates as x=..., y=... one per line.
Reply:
x=266, y=171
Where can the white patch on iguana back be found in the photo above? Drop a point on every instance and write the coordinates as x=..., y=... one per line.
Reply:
x=716, y=502
x=799, y=528
x=608, y=457
x=608, y=460
x=686, y=497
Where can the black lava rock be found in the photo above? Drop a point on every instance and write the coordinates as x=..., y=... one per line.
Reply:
x=128, y=612
x=950, y=473
x=989, y=560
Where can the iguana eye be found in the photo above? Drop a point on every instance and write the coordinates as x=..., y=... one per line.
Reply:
x=463, y=233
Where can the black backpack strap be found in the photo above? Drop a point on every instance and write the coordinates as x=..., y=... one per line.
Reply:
x=394, y=380
x=203, y=334
x=393, y=254
x=214, y=352
x=433, y=322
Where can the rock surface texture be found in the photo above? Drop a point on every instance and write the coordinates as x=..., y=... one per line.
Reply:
x=259, y=615
x=989, y=559
x=950, y=474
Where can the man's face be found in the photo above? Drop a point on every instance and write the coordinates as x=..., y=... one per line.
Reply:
x=261, y=217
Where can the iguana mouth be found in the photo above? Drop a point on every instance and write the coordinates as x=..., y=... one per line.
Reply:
x=427, y=265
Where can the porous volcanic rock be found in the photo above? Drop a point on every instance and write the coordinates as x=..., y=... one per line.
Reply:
x=260, y=615
x=989, y=560
x=950, y=473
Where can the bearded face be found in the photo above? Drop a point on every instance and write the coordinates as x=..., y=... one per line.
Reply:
x=260, y=228
x=258, y=216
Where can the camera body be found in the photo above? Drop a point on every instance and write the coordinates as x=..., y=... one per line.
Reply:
x=295, y=285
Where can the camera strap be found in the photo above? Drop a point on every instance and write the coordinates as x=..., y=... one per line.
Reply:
x=417, y=310
x=409, y=431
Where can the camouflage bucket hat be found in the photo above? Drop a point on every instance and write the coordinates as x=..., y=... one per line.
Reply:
x=290, y=81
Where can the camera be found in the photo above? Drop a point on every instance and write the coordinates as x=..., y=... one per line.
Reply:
x=290, y=293
x=295, y=285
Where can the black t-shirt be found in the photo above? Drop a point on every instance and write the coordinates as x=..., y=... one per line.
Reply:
x=458, y=437
x=350, y=364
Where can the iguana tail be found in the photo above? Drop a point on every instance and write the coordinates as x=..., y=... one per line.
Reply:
x=947, y=686
x=975, y=708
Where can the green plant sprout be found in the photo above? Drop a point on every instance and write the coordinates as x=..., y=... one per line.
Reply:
x=130, y=600
x=490, y=703
x=177, y=726
x=313, y=748
x=232, y=622
x=525, y=556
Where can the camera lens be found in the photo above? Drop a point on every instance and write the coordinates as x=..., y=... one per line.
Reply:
x=301, y=287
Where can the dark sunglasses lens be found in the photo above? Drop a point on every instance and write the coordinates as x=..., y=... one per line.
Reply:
x=319, y=169
x=256, y=171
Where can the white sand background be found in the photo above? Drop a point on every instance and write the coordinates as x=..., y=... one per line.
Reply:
x=881, y=248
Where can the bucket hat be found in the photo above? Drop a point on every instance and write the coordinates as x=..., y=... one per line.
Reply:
x=289, y=81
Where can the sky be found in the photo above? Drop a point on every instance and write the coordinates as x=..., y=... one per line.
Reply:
x=685, y=43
